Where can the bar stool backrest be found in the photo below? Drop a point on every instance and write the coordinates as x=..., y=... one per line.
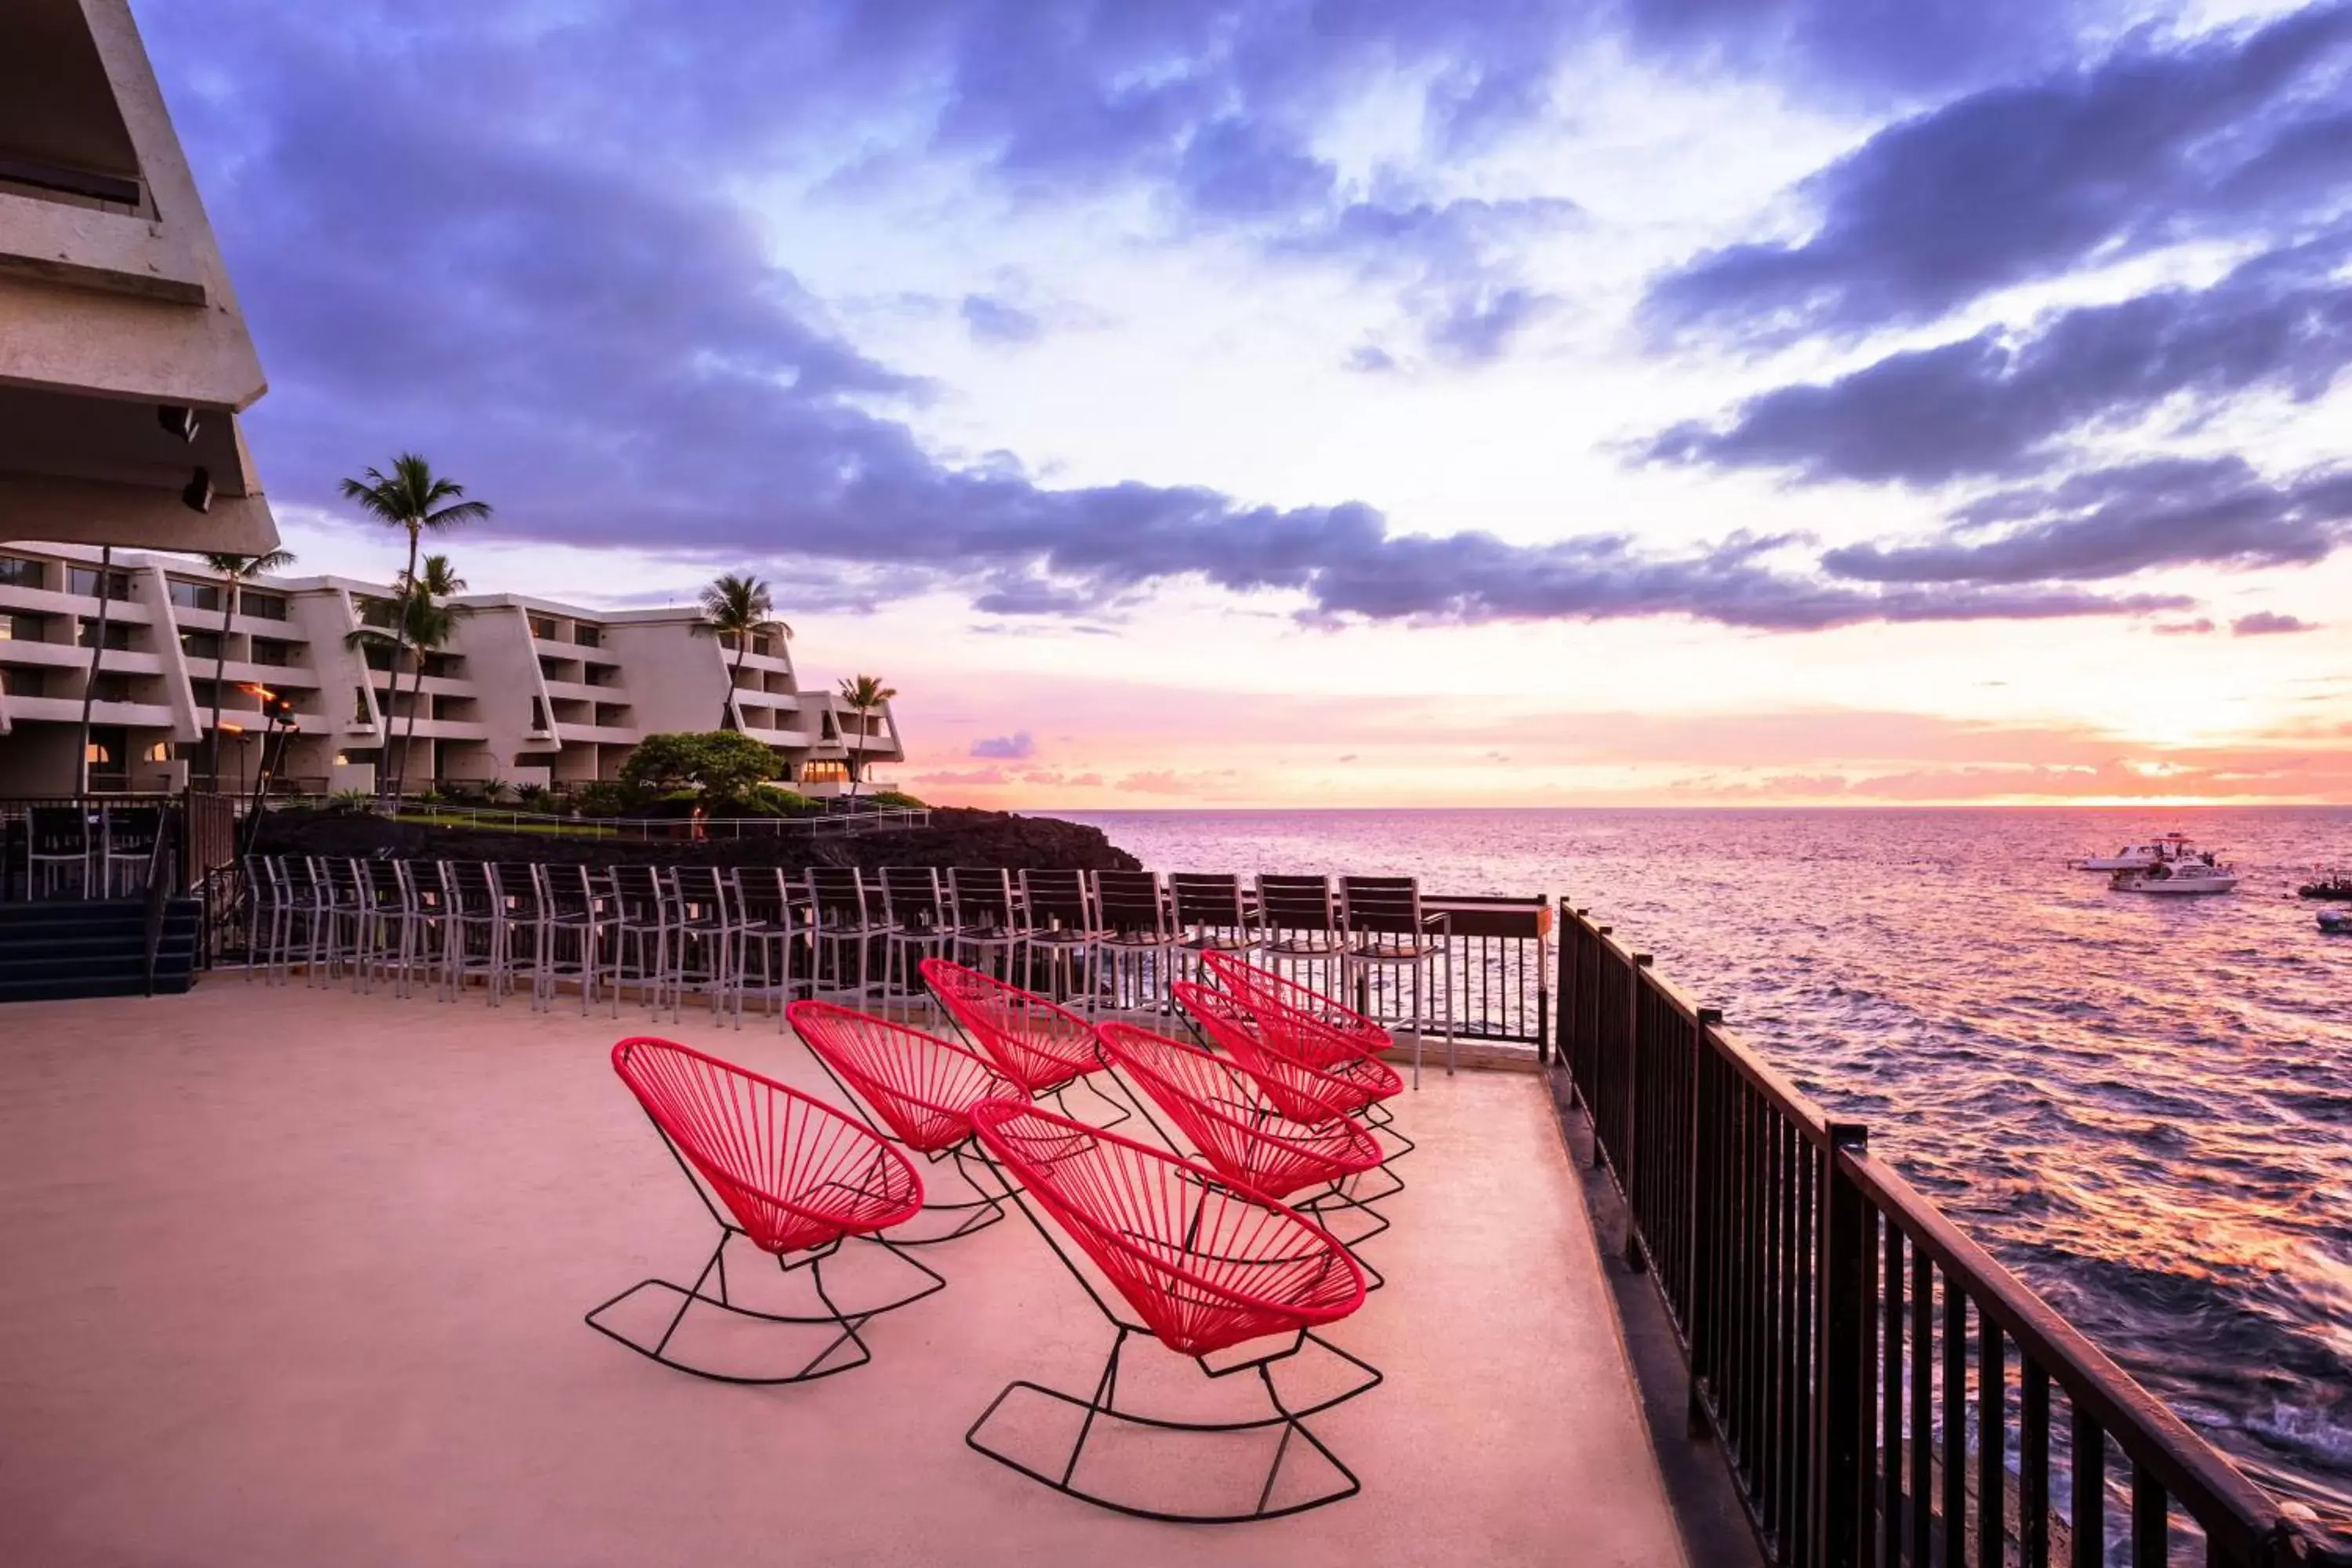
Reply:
x=1295, y=903
x=700, y=890
x=518, y=889
x=761, y=897
x=1058, y=898
x=911, y=896
x=131, y=830
x=565, y=892
x=1129, y=903
x=57, y=832
x=638, y=890
x=839, y=894
x=385, y=887
x=1381, y=906
x=467, y=891
x=982, y=896
x=1208, y=900
x=343, y=881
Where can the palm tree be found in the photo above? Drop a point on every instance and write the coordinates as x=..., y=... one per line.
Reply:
x=97, y=656
x=421, y=626
x=414, y=498
x=861, y=695
x=736, y=605
x=235, y=571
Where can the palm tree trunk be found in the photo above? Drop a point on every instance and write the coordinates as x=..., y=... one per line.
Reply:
x=97, y=658
x=399, y=769
x=416, y=697
x=734, y=673
x=856, y=752
x=220, y=674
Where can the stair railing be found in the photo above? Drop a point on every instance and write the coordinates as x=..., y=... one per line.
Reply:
x=161, y=873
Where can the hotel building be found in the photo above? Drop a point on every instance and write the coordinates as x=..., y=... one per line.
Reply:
x=527, y=691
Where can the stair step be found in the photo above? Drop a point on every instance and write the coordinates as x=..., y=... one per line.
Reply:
x=75, y=989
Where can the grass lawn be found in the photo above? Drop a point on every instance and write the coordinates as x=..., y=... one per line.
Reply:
x=466, y=820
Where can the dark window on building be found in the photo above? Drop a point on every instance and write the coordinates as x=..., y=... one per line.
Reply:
x=201, y=645
x=588, y=636
x=24, y=629
x=360, y=713
x=19, y=681
x=16, y=572
x=538, y=714
x=261, y=606
x=83, y=580
x=544, y=629
x=195, y=596
x=112, y=686
x=269, y=651
x=118, y=634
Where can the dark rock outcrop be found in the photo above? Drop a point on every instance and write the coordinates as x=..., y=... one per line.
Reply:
x=956, y=836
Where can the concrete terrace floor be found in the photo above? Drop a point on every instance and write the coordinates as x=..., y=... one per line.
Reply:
x=293, y=1275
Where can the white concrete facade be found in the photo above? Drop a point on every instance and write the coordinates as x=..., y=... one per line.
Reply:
x=124, y=360
x=528, y=691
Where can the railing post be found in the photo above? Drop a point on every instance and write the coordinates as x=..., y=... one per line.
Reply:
x=1842, y=1405
x=1706, y=1221
x=1628, y=1182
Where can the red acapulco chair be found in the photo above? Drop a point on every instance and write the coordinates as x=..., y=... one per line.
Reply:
x=1201, y=1265
x=921, y=1087
x=788, y=1173
x=1239, y=1131
x=1041, y=1045
x=1347, y=1032
x=1281, y=1050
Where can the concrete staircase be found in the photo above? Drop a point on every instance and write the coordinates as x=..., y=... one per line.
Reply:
x=58, y=949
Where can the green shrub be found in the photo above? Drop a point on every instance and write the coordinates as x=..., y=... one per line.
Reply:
x=780, y=801
x=348, y=801
x=721, y=765
x=495, y=792
x=537, y=798
x=606, y=798
x=899, y=798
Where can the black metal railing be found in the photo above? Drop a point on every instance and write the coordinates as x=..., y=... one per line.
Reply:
x=1885, y=1390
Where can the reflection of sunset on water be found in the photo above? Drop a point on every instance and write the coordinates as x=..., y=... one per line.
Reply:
x=2143, y=1106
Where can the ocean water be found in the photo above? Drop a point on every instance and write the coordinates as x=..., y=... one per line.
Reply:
x=2141, y=1105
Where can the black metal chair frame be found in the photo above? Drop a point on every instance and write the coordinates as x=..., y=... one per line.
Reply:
x=813, y=1262
x=1102, y=1403
x=984, y=1210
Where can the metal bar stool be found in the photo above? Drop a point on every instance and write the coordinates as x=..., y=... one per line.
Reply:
x=916, y=908
x=1388, y=930
x=570, y=936
x=1135, y=942
x=56, y=851
x=844, y=928
x=1297, y=921
x=703, y=924
x=765, y=933
x=126, y=842
x=986, y=923
x=640, y=935
x=473, y=929
x=389, y=926
x=1063, y=931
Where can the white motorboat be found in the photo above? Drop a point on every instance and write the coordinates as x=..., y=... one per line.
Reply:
x=2200, y=874
x=2335, y=922
x=2161, y=851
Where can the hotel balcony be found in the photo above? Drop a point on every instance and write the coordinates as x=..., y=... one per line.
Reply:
x=346, y=1328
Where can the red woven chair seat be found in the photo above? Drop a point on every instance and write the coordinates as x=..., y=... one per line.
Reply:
x=1342, y=1033
x=1233, y=1122
x=923, y=1087
x=1297, y=1089
x=794, y=1171
x=1038, y=1045
x=1205, y=1265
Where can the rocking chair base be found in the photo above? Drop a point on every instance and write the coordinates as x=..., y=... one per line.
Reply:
x=1100, y=1407
x=815, y=1367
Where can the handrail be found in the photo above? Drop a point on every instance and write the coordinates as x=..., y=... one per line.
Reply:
x=159, y=896
x=1800, y=1272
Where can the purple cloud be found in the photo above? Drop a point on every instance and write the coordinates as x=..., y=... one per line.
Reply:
x=1019, y=746
x=2266, y=623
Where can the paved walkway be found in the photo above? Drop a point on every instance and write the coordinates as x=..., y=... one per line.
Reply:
x=294, y=1277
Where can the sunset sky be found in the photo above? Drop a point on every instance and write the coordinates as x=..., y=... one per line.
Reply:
x=1263, y=403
